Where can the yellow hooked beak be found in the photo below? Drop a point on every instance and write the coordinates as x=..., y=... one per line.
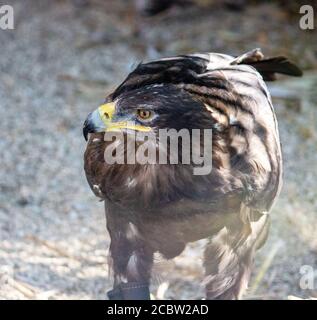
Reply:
x=103, y=119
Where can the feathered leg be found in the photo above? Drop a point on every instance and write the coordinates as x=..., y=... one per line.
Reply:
x=229, y=256
x=131, y=261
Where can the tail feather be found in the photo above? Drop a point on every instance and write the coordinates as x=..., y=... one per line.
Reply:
x=267, y=67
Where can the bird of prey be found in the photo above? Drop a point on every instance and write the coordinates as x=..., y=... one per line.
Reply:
x=160, y=208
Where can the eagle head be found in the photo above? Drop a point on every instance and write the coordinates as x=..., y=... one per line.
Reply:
x=150, y=108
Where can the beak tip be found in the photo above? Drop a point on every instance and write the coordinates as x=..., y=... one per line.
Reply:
x=93, y=123
x=86, y=130
x=85, y=134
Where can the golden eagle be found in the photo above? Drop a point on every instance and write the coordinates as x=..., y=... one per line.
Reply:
x=155, y=207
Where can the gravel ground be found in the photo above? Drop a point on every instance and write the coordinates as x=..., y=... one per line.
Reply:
x=56, y=66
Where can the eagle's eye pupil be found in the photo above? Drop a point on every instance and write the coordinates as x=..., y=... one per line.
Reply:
x=144, y=114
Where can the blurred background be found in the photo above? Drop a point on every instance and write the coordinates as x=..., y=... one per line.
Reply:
x=59, y=63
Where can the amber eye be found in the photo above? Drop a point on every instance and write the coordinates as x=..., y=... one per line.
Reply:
x=144, y=114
